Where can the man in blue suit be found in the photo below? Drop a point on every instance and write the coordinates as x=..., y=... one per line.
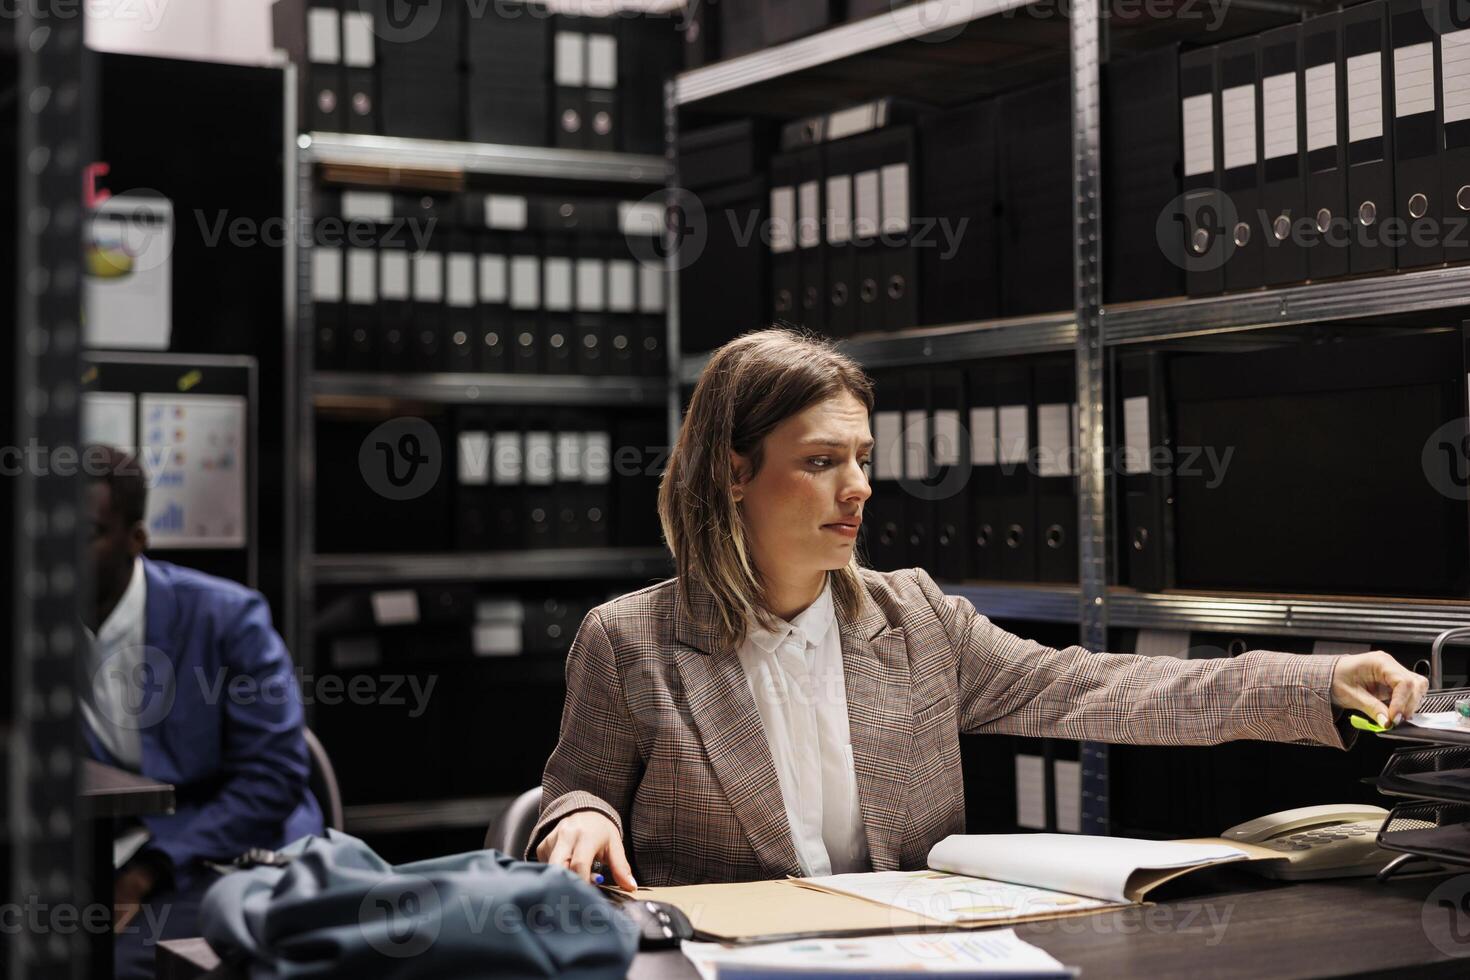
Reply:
x=191, y=685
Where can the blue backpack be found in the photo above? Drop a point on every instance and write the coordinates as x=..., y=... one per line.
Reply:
x=337, y=909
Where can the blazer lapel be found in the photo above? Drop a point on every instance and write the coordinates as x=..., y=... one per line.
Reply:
x=876, y=670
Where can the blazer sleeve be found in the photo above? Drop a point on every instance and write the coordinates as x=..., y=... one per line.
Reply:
x=264, y=764
x=1019, y=687
x=596, y=764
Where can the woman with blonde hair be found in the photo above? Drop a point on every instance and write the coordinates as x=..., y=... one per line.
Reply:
x=777, y=709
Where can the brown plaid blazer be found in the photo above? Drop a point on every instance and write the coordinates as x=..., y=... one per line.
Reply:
x=660, y=732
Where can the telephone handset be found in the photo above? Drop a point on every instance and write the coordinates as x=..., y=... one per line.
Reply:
x=1332, y=841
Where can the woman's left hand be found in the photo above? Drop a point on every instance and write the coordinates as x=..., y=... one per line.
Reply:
x=1377, y=685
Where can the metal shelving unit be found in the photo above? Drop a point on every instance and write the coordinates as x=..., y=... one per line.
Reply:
x=502, y=389
x=432, y=164
x=394, y=153
x=542, y=565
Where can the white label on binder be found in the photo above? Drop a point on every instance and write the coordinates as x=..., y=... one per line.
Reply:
x=1413, y=79
x=1163, y=643
x=1454, y=53
x=505, y=211
x=326, y=274
x=849, y=122
x=915, y=450
x=569, y=54
x=497, y=638
x=540, y=459
x=1278, y=116
x=428, y=277
x=357, y=39
x=895, y=180
x=598, y=466
x=641, y=218
x=839, y=209
x=602, y=61
x=1015, y=434
x=367, y=206
x=1030, y=791
x=650, y=289
x=1067, y=781
x=558, y=272
x=887, y=445
x=461, y=280
x=1238, y=125
x=395, y=607
x=506, y=462
x=1137, y=440
x=362, y=276
x=323, y=42
x=809, y=225
x=1053, y=440
x=783, y=219
x=395, y=274
x=589, y=285
x=1321, y=106
x=947, y=437
x=1365, y=96
x=525, y=282
x=620, y=286
x=1199, y=135
x=868, y=212
x=492, y=279
x=569, y=456
x=982, y=437
x=474, y=458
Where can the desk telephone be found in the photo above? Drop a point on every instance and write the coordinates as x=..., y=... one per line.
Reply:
x=1337, y=840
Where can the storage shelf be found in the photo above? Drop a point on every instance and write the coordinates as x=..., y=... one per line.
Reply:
x=1384, y=295
x=502, y=160
x=492, y=566
x=514, y=389
x=920, y=51
x=1327, y=617
x=1407, y=620
x=451, y=814
x=1044, y=333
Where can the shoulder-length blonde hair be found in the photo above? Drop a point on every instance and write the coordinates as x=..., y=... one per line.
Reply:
x=749, y=386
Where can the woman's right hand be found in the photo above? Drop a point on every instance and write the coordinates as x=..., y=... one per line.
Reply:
x=585, y=836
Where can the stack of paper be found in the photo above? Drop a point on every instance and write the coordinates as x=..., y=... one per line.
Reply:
x=990, y=955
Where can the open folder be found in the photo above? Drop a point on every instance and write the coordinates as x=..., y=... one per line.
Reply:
x=972, y=881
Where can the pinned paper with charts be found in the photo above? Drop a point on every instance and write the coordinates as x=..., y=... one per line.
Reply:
x=194, y=446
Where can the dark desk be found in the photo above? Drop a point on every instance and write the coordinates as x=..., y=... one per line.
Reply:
x=108, y=794
x=1225, y=925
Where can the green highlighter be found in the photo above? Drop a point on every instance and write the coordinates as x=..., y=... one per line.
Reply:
x=1364, y=723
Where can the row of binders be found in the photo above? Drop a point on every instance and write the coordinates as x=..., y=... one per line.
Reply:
x=974, y=470
x=503, y=72
x=1337, y=146
x=881, y=216
x=1335, y=467
x=512, y=478
x=371, y=628
x=487, y=283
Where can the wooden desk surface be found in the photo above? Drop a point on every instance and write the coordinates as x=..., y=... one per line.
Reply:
x=1235, y=927
x=110, y=792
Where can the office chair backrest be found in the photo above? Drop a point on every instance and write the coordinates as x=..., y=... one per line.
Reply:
x=512, y=832
x=322, y=782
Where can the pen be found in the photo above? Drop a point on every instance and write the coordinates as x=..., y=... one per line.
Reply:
x=599, y=873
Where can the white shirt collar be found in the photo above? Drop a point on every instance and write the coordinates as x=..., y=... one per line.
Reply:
x=812, y=623
x=127, y=615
